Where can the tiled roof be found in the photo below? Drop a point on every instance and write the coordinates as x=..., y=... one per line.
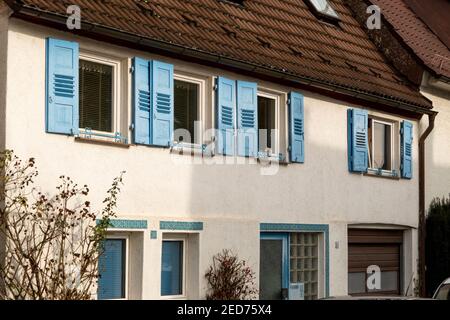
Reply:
x=417, y=35
x=281, y=35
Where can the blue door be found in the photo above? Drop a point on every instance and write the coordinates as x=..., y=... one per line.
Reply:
x=274, y=266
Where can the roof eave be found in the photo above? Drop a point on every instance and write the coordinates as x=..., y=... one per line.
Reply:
x=52, y=19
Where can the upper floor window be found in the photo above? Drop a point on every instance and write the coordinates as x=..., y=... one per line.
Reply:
x=267, y=123
x=240, y=2
x=380, y=145
x=186, y=110
x=322, y=7
x=99, y=94
x=96, y=96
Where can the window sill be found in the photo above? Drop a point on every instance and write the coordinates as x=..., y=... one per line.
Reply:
x=191, y=149
x=102, y=142
x=267, y=159
x=176, y=297
x=391, y=175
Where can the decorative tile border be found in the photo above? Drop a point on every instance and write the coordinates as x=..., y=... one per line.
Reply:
x=181, y=225
x=292, y=227
x=128, y=224
x=153, y=234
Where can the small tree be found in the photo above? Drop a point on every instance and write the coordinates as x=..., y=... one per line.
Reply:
x=50, y=246
x=437, y=248
x=230, y=278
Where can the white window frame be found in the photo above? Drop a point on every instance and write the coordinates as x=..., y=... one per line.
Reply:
x=183, y=239
x=201, y=82
x=127, y=252
x=392, y=155
x=116, y=89
x=328, y=11
x=266, y=93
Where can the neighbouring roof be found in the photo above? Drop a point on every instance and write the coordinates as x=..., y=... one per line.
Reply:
x=277, y=35
x=424, y=26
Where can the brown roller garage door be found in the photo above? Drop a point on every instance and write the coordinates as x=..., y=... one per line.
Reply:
x=381, y=248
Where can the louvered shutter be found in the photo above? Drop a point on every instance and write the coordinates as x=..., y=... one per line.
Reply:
x=357, y=140
x=141, y=101
x=296, y=128
x=225, y=115
x=162, y=101
x=406, y=149
x=247, y=116
x=111, y=267
x=62, y=114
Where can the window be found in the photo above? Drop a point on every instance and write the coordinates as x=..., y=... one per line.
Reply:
x=304, y=264
x=102, y=85
x=186, y=113
x=268, y=108
x=380, y=145
x=96, y=96
x=322, y=7
x=172, y=268
x=189, y=108
x=112, y=269
x=266, y=124
x=240, y=2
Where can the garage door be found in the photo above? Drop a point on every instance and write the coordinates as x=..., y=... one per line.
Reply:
x=371, y=247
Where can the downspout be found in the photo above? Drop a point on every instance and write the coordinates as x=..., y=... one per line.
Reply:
x=422, y=220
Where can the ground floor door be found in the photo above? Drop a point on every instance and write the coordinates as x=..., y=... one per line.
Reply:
x=370, y=250
x=274, y=268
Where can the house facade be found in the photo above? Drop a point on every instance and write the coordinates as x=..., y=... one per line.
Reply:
x=306, y=168
x=423, y=57
x=432, y=74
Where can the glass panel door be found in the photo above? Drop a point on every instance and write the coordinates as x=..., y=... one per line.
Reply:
x=273, y=267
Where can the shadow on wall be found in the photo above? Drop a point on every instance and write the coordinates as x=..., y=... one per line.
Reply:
x=3, y=53
x=438, y=147
x=437, y=183
x=437, y=166
x=319, y=190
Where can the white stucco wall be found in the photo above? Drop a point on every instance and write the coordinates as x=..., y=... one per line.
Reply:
x=231, y=199
x=4, y=13
x=437, y=158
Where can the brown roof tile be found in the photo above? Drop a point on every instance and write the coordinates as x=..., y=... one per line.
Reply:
x=282, y=35
x=417, y=35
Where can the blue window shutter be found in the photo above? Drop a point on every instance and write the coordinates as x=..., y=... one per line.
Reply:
x=247, y=119
x=296, y=128
x=358, y=121
x=406, y=149
x=225, y=115
x=111, y=267
x=62, y=114
x=141, y=101
x=172, y=268
x=162, y=101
